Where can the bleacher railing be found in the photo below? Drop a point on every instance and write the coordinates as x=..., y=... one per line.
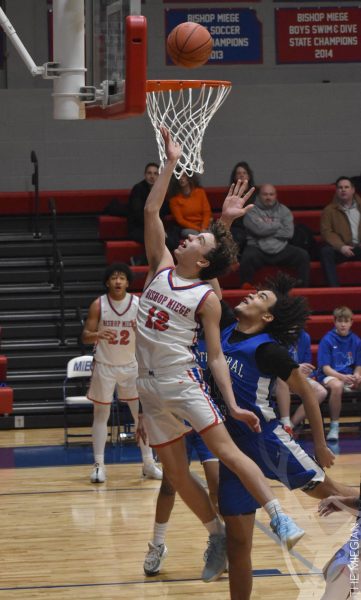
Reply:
x=58, y=269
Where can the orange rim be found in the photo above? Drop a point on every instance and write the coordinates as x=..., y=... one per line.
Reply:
x=166, y=85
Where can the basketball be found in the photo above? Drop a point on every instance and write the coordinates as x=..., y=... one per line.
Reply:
x=189, y=45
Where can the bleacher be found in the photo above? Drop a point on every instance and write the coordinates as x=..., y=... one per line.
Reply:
x=29, y=303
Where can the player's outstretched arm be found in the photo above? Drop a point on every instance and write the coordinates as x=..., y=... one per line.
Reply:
x=154, y=234
x=234, y=203
x=299, y=385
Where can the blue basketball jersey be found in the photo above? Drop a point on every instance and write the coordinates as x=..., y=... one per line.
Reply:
x=252, y=388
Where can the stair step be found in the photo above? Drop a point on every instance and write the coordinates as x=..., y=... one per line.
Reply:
x=40, y=288
x=35, y=315
x=44, y=248
x=46, y=301
x=16, y=331
x=49, y=358
x=16, y=378
x=40, y=261
x=23, y=344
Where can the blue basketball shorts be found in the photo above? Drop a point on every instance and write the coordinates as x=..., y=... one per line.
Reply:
x=278, y=456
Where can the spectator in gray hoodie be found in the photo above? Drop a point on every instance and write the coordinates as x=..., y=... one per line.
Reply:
x=269, y=227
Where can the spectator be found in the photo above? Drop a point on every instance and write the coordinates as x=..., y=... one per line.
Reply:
x=341, y=229
x=356, y=180
x=189, y=205
x=243, y=172
x=301, y=353
x=136, y=202
x=269, y=226
x=339, y=364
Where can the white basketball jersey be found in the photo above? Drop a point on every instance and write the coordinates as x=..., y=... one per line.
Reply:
x=120, y=316
x=167, y=322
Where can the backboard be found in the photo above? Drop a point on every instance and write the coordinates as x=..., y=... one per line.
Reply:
x=116, y=43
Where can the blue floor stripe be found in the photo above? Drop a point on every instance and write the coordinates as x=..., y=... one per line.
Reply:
x=82, y=454
x=62, y=456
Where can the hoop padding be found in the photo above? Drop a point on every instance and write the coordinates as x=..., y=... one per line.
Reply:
x=185, y=109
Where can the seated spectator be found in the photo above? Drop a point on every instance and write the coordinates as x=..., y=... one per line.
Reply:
x=341, y=229
x=339, y=364
x=356, y=180
x=301, y=353
x=189, y=205
x=136, y=202
x=241, y=172
x=269, y=227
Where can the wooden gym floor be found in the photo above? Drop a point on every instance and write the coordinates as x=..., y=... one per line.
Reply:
x=64, y=538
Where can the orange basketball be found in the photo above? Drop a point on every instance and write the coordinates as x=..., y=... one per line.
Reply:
x=189, y=45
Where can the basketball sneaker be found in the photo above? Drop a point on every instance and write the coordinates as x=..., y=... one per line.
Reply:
x=288, y=429
x=333, y=434
x=215, y=557
x=286, y=530
x=98, y=474
x=151, y=471
x=154, y=558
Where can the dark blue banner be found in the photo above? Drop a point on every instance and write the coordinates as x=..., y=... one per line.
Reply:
x=236, y=32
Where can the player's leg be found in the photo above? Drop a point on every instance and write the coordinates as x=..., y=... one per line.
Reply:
x=157, y=550
x=211, y=472
x=283, y=397
x=220, y=443
x=175, y=465
x=335, y=387
x=150, y=468
x=99, y=438
x=101, y=391
x=239, y=531
x=329, y=487
x=320, y=393
x=127, y=391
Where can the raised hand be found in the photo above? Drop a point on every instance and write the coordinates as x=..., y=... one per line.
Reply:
x=233, y=205
x=173, y=150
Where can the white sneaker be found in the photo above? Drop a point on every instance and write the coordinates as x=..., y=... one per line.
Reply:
x=154, y=558
x=151, y=471
x=333, y=434
x=98, y=474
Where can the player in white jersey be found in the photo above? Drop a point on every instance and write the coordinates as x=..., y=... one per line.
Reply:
x=111, y=326
x=171, y=387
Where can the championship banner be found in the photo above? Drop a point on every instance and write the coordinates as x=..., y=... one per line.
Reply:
x=314, y=35
x=236, y=33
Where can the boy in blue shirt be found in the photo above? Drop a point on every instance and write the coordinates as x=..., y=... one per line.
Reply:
x=300, y=351
x=339, y=363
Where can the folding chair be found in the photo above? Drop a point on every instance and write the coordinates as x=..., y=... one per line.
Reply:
x=75, y=387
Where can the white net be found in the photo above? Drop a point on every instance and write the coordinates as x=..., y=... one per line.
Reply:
x=185, y=109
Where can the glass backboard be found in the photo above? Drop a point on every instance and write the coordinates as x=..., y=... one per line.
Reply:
x=116, y=57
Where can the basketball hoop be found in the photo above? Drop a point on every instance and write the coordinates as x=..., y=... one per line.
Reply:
x=185, y=109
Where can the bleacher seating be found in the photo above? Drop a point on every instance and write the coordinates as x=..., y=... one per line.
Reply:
x=83, y=282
